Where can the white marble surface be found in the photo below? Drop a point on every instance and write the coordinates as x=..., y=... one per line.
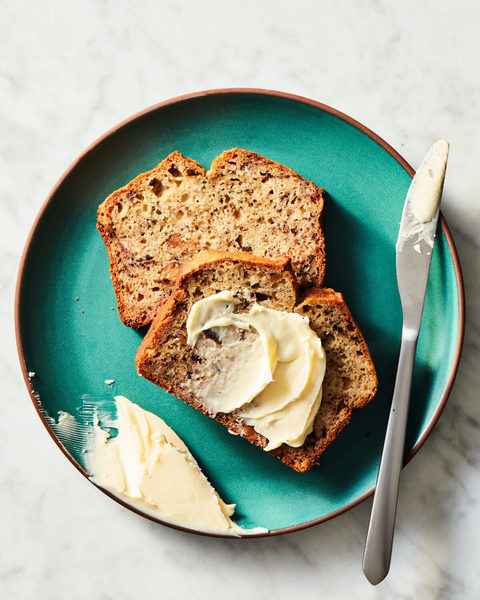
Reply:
x=69, y=71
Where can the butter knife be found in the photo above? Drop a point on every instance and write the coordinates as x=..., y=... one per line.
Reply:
x=413, y=252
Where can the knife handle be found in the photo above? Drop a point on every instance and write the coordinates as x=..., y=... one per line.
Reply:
x=378, y=546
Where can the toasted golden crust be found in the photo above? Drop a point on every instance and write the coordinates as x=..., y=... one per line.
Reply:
x=210, y=258
x=165, y=216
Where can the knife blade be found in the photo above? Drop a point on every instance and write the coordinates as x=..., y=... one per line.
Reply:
x=417, y=232
x=413, y=255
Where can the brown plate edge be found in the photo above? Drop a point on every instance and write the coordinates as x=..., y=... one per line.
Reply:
x=344, y=117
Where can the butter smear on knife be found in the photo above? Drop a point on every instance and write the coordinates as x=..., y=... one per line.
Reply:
x=426, y=188
x=424, y=195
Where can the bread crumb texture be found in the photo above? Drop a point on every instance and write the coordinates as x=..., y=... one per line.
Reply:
x=245, y=203
x=165, y=358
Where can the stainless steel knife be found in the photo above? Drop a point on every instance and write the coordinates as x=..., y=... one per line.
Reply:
x=414, y=251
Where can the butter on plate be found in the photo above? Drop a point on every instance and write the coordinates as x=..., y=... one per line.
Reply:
x=149, y=467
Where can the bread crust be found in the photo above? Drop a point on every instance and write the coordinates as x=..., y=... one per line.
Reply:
x=210, y=258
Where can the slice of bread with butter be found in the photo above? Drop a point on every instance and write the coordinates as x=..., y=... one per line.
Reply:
x=233, y=342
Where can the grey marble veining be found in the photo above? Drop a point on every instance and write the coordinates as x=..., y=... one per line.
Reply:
x=68, y=72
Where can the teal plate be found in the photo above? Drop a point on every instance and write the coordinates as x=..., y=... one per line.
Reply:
x=69, y=333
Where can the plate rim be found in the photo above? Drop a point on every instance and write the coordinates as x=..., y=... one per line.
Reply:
x=261, y=92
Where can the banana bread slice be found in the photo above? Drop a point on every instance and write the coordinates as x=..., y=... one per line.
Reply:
x=163, y=217
x=165, y=358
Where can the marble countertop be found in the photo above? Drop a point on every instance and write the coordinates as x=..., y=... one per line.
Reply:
x=68, y=72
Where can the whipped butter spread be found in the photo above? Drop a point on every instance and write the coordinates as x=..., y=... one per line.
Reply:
x=148, y=463
x=426, y=189
x=424, y=195
x=147, y=466
x=275, y=383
